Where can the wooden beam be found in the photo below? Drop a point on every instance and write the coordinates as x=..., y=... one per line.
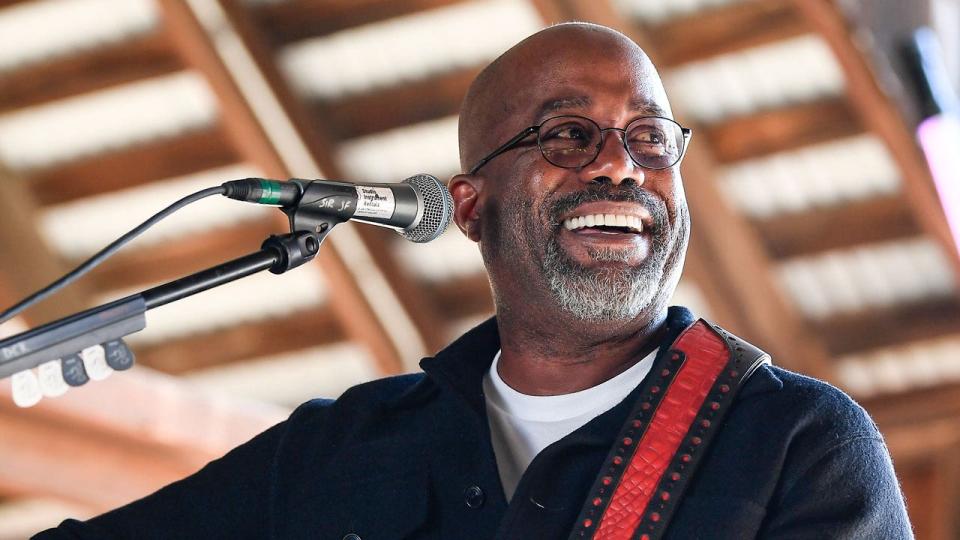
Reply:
x=150, y=265
x=249, y=136
x=244, y=341
x=860, y=332
x=844, y=225
x=929, y=488
x=137, y=165
x=112, y=441
x=397, y=106
x=295, y=20
x=56, y=458
x=462, y=297
x=405, y=301
x=879, y=115
x=144, y=56
x=723, y=30
x=917, y=406
x=29, y=263
x=724, y=310
x=240, y=123
x=782, y=129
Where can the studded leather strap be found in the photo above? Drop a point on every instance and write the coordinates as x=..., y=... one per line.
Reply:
x=681, y=406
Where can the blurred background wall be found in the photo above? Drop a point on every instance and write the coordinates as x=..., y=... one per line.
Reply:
x=818, y=233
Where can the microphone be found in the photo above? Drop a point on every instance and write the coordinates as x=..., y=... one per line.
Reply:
x=418, y=208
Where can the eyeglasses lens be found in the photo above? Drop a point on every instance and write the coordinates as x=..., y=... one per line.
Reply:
x=573, y=141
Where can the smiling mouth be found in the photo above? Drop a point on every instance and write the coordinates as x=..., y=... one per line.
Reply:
x=605, y=223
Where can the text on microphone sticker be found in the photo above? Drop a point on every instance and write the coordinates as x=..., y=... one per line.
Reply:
x=374, y=202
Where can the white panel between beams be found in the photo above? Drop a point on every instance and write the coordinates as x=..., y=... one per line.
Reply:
x=796, y=70
x=875, y=276
x=818, y=176
x=451, y=256
x=291, y=378
x=23, y=517
x=82, y=227
x=657, y=11
x=106, y=120
x=255, y=298
x=897, y=369
x=393, y=155
x=42, y=29
x=407, y=48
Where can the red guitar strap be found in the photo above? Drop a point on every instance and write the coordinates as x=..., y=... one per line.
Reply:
x=680, y=409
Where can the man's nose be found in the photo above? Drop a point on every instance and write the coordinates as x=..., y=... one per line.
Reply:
x=613, y=164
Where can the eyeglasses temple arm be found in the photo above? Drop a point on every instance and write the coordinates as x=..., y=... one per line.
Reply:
x=504, y=147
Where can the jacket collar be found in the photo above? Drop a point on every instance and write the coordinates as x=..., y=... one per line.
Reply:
x=462, y=365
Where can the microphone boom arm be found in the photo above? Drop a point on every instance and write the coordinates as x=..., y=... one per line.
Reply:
x=114, y=320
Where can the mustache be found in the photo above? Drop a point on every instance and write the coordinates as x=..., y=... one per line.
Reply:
x=627, y=192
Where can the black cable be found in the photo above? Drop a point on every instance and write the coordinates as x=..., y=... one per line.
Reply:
x=104, y=253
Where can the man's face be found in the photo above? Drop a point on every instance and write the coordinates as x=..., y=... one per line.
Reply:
x=531, y=230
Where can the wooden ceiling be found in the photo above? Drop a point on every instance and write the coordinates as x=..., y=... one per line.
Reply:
x=375, y=298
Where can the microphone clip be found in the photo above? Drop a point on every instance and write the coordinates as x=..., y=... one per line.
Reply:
x=294, y=249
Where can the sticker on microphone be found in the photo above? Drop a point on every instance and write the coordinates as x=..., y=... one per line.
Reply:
x=374, y=202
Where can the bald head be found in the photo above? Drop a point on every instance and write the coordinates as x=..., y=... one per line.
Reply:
x=507, y=91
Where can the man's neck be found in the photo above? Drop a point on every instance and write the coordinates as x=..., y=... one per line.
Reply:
x=565, y=358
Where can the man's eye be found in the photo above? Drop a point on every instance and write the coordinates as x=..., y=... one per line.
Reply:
x=648, y=137
x=574, y=133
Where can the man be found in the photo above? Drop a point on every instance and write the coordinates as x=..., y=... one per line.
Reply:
x=534, y=424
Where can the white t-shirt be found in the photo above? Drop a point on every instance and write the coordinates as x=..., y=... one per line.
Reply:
x=522, y=425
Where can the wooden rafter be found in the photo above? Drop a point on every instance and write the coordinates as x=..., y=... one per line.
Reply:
x=248, y=135
x=917, y=406
x=141, y=57
x=724, y=30
x=467, y=296
x=698, y=267
x=243, y=341
x=83, y=447
x=29, y=264
x=134, y=166
x=845, y=225
x=782, y=129
x=46, y=459
x=389, y=108
x=320, y=143
x=147, y=266
x=861, y=332
x=286, y=22
x=879, y=115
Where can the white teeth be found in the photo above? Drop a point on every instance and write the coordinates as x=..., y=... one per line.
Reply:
x=609, y=220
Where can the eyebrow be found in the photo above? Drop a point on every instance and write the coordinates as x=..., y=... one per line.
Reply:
x=647, y=107
x=555, y=104
x=582, y=102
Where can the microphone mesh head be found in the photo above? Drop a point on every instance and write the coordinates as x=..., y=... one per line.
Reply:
x=437, y=209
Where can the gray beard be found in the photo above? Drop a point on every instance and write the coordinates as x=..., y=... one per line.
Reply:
x=611, y=293
x=615, y=292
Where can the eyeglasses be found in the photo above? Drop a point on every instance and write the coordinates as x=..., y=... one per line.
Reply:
x=571, y=142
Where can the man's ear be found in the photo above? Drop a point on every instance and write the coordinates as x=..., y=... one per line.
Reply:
x=465, y=189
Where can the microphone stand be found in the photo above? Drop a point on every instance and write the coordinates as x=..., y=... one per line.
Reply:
x=108, y=323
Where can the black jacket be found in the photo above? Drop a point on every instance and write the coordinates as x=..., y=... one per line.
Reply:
x=410, y=457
